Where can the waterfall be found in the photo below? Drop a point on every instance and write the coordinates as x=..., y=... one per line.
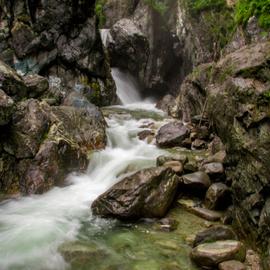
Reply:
x=127, y=88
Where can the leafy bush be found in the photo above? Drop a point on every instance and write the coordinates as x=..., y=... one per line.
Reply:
x=158, y=5
x=200, y=5
x=100, y=12
x=247, y=8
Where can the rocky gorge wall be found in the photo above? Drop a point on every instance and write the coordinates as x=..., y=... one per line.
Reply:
x=53, y=69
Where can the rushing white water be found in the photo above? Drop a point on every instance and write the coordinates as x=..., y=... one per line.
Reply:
x=127, y=87
x=32, y=228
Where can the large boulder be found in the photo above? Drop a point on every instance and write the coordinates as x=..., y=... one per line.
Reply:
x=72, y=135
x=147, y=193
x=172, y=134
x=129, y=49
x=197, y=182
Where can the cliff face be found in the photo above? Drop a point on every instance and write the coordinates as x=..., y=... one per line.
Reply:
x=57, y=39
x=53, y=70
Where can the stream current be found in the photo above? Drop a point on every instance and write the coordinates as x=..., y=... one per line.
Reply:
x=38, y=232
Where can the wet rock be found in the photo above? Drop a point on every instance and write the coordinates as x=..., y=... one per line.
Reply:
x=167, y=225
x=147, y=193
x=214, y=168
x=207, y=214
x=11, y=83
x=51, y=165
x=197, y=182
x=6, y=108
x=167, y=104
x=218, y=197
x=30, y=123
x=174, y=157
x=211, y=254
x=198, y=144
x=191, y=166
x=36, y=84
x=145, y=134
x=172, y=134
x=231, y=265
x=22, y=35
x=130, y=48
x=214, y=233
x=79, y=253
x=176, y=166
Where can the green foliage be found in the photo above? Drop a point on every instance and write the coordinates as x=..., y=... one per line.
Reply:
x=158, y=5
x=247, y=8
x=200, y=5
x=99, y=10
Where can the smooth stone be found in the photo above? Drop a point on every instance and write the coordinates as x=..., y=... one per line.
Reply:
x=213, y=168
x=212, y=254
x=174, y=157
x=176, y=166
x=218, y=197
x=172, y=134
x=207, y=214
x=197, y=182
x=231, y=265
x=214, y=233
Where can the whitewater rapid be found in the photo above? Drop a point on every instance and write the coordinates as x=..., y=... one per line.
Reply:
x=32, y=228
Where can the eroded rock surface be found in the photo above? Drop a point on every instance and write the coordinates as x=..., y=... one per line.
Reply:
x=147, y=193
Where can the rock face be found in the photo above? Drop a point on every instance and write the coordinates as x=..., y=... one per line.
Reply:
x=147, y=193
x=197, y=182
x=235, y=94
x=6, y=108
x=172, y=134
x=60, y=39
x=211, y=254
x=129, y=48
x=218, y=197
x=41, y=144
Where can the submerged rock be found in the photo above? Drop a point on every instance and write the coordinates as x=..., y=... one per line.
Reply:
x=214, y=233
x=211, y=254
x=172, y=134
x=147, y=193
